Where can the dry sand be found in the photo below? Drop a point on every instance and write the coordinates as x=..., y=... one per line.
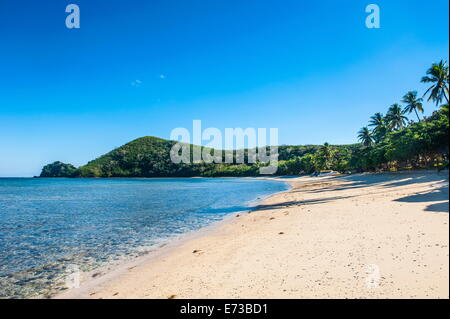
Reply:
x=361, y=236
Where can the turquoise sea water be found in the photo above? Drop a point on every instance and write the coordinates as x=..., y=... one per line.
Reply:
x=47, y=225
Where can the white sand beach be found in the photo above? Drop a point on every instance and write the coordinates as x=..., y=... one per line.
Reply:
x=359, y=236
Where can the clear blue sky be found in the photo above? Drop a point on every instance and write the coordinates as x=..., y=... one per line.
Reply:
x=310, y=68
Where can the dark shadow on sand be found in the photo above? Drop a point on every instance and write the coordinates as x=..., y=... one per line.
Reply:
x=301, y=203
x=436, y=195
x=438, y=208
x=385, y=180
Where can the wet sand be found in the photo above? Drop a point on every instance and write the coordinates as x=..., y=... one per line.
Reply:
x=359, y=236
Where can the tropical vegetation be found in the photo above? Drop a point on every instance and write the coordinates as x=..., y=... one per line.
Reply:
x=390, y=142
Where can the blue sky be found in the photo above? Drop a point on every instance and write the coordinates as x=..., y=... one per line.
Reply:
x=137, y=68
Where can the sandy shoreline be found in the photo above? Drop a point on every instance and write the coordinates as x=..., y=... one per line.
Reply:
x=362, y=236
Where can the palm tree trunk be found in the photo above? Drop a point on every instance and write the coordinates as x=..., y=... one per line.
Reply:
x=417, y=115
x=445, y=95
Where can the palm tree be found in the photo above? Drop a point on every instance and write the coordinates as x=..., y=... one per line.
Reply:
x=377, y=120
x=324, y=157
x=395, y=118
x=327, y=152
x=413, y=103
x=437, y=74
x=365, y=137
x=379, y=123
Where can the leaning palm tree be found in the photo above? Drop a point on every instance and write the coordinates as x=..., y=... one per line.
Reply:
x=438, y=75
x=379, y=124
x=413, y=103
x=365, y=137
x=396, y=120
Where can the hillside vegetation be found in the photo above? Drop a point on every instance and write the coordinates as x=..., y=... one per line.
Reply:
x=390, y=142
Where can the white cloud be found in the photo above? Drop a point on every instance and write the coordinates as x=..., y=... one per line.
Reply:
x=136, y=83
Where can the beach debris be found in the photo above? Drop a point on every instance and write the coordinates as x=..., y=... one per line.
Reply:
x=116, y=294
x=196, y=251
x=96, y=274
x=271, y=218
x=238, y=215
x=171, y=297
x=280, y=233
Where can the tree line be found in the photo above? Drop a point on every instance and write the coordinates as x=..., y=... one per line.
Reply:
x=389, y=142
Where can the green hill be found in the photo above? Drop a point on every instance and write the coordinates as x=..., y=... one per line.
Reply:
x=150, y=157
x=419, y=145
x=389, y=142
x=143, y=157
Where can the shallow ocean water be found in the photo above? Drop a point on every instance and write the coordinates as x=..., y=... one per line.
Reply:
x=50, y=225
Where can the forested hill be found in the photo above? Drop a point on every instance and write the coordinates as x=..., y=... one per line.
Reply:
x=421, y=144
x=390, y=142
x=146, y=156
x=150, y=157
